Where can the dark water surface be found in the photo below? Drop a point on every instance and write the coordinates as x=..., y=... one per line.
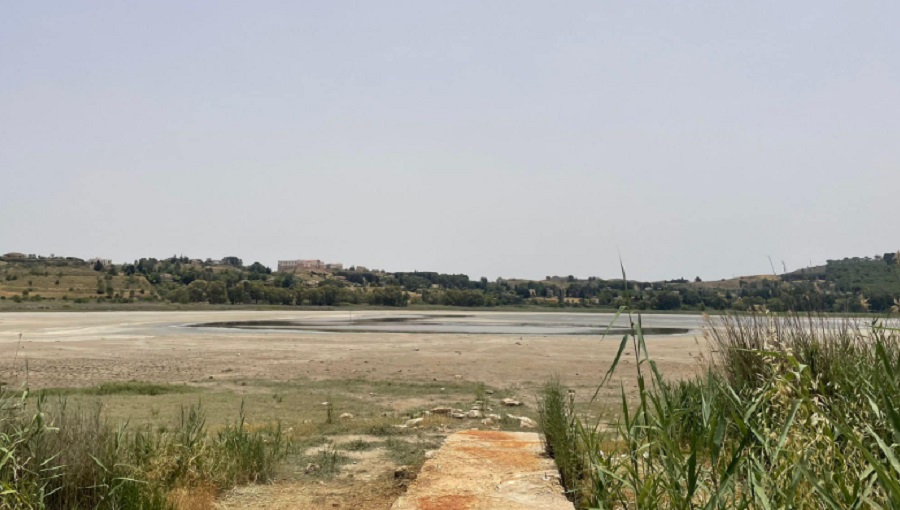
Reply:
x=522, y=323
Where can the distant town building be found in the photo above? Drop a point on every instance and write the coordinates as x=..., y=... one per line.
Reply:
x=14, y=256
x=104, y=262
x=289, y=266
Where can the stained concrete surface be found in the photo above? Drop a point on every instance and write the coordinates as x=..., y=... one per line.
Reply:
x=487, y=470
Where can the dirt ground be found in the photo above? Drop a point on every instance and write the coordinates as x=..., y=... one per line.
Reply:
x=286, y=375
x=83, y=349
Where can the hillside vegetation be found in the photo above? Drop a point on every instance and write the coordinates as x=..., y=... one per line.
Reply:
x=854, y=285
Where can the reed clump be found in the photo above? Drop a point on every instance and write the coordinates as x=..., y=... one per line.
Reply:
x=793, y=411
x=56, y=457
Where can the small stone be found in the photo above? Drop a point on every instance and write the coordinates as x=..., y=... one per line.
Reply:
x=458, y=416
x=495, y=417
x=415, y=422
x=346, y=416
x=312, y=468
x=474, y=414
x=509, y=402
x=430, y=453
x=442, y=410
x=402, y=473
x=487, y=421
x=527, y=423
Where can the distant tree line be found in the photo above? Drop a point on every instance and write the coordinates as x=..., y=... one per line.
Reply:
x=858, y=285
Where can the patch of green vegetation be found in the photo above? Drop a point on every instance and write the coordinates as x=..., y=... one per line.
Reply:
x=326, y=462
x=409, y=453
x=378, y=387
x=359, y=445
x=122, y=388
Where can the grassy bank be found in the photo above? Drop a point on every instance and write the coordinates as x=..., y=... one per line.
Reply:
x=152, y=445
x=56, y=457
x=793, y=412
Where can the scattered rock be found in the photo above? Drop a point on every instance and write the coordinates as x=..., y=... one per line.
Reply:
x=415, y=422
x=524, y=421
x=441, y=410
x=346, y=416
x=495, y=417
x=509, y=402
x=474, y=414
x=430, y=453
x=489, y=392
x=458, y=416
x=312, y=468
x=487, y=422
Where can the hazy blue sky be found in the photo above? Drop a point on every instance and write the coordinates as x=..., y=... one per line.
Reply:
x=508, y=139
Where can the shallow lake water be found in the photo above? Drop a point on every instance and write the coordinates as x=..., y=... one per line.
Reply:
x=513, y=323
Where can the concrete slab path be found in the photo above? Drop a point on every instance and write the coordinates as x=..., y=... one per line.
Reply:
x=487, y=470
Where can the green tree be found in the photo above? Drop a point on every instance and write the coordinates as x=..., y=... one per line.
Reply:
x=197, y=290
x=217, y=293
x=667, y=301
x=179, y=295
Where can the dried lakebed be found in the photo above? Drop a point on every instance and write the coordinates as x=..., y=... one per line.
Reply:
x=503, y=349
